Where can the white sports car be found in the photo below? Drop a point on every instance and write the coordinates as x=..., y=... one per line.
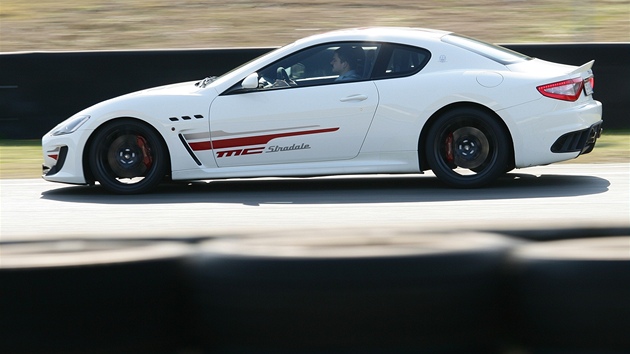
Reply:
x=358, y=101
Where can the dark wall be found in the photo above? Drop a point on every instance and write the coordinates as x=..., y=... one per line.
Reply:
x=38, y=90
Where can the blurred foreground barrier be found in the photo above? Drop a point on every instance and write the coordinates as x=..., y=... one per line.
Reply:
x=38, y=90
x=330, y=291
x=92, y=297
x=572, y=296
x=352, y=292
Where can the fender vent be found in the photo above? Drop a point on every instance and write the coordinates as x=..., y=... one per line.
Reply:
x=190, y=151
x=177, y=119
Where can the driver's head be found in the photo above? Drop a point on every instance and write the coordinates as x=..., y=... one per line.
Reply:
x=347, y=58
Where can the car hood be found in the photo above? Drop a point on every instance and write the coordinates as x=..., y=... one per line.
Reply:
x=164, y=93
x=156, y=98
x=182, y=88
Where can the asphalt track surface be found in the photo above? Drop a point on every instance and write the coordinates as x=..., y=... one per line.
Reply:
x=547, y=197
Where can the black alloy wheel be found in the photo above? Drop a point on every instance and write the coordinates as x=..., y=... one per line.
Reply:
x=467, y=148
x=128, y=157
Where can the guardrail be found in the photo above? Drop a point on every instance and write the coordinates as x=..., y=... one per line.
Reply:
x=38, y=90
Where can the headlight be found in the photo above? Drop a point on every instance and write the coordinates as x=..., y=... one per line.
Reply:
x=70, y=125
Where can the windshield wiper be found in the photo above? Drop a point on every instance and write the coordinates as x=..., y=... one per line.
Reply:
x=206, y=81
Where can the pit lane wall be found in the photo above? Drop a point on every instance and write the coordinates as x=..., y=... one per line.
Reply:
x=40, y=89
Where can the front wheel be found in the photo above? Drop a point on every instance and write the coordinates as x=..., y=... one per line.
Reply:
x=128, y=157
x=467, y=148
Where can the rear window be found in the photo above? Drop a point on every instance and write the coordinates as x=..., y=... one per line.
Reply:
x=497, y=53
x=397, y=60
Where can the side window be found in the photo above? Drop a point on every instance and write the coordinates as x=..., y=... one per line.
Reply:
x=324, y=64
x=400, y=60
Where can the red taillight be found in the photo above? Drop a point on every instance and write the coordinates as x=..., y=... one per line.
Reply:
x=566, y=90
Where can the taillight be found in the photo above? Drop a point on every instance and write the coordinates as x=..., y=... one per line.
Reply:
x=566, y=90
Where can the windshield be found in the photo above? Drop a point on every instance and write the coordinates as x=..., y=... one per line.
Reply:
x=228, y=74
x=491, y=51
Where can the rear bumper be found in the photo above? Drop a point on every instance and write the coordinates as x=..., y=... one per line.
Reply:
x=548, y=131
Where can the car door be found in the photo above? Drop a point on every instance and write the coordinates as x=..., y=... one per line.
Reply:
x=303, y=116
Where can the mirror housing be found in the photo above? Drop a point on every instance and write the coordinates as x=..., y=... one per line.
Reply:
x=250, y=82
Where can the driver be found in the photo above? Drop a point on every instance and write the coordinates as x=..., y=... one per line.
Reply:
x=347, y=62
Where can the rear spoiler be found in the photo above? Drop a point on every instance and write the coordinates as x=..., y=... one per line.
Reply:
x=583, y=68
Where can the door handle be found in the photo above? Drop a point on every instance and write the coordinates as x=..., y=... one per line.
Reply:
x=354, y=98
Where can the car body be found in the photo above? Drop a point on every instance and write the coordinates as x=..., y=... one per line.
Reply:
x=422, y=100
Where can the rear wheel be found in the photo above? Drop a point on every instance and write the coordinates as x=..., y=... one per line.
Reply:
x=467, y=148
x=128, y=157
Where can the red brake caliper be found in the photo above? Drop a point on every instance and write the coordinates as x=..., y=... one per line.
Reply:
x=142, y=143
x=449, y=148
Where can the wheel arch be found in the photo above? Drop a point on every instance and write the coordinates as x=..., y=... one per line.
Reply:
x=87, y=172
x=424, y=165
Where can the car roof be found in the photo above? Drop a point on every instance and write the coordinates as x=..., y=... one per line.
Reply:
x=387, y=34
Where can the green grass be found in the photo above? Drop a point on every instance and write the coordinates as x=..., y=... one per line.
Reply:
x=20, y=158
x=23, y=158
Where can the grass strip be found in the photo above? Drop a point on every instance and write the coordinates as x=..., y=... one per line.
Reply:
x=23, y=158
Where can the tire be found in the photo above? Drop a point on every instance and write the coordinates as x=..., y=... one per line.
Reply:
x=467, y=148
x=573, y=296
x=81, y=296
x=351, y=292
x=128, y=157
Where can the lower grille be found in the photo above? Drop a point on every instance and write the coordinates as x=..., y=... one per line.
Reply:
x=63, y=153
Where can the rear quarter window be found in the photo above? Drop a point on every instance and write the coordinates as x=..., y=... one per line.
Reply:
x=491, y=51
x=397, y=60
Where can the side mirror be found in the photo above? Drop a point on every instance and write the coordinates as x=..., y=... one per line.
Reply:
x=250, y=82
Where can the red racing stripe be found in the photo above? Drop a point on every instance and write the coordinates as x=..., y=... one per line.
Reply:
x=202, y=145
x=253, y=140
